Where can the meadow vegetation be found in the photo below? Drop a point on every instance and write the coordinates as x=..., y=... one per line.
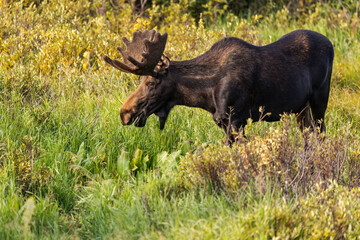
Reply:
x=70, y=170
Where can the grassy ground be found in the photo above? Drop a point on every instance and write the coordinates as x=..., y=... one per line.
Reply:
x=68, y=169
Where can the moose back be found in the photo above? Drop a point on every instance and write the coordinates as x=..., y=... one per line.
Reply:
x=232, y=80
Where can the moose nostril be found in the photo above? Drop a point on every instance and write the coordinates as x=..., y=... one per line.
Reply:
x=125, y=118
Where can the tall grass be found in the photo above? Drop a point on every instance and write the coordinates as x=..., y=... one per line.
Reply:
x=69, y=169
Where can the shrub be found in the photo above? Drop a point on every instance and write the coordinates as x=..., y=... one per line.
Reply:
x=281, y=159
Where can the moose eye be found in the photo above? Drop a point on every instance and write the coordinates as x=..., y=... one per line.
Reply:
x=150, y=84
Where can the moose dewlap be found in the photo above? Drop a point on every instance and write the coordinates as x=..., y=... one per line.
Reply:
x=232, y=80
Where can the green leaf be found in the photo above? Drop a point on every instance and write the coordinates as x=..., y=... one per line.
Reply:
x=123, y=162
x=80, y=154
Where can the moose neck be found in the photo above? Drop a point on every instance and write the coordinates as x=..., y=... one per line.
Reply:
x=194, y=83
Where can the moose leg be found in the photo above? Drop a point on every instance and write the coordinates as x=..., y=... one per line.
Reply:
x=231, y=128
x=230, y=136
x=221, y=95
x=222, y=121
x=221, y=117
x=318, y=104
x=319, y=101
x=233, y=132
x=224, y=114
x=304, y=119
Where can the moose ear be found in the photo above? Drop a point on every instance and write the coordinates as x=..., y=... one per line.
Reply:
x=163, y=64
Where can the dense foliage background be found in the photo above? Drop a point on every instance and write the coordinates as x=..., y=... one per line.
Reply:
x=68, y=169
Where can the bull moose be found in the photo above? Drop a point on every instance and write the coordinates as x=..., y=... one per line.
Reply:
x=232, y=80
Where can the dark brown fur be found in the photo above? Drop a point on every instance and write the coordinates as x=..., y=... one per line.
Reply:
x=234, y=79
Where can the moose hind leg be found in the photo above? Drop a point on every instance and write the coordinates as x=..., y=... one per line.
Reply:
x=319, y=101
x=304, y=118
x=318, y=104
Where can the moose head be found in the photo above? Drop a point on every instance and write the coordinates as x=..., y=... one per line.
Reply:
x=231, y=80
x=144, y=57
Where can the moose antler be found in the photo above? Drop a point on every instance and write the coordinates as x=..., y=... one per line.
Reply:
x=142, y=54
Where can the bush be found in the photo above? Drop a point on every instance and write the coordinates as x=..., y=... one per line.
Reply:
x=281, y=159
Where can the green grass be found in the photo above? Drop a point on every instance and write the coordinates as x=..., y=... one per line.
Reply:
x=70, y=170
